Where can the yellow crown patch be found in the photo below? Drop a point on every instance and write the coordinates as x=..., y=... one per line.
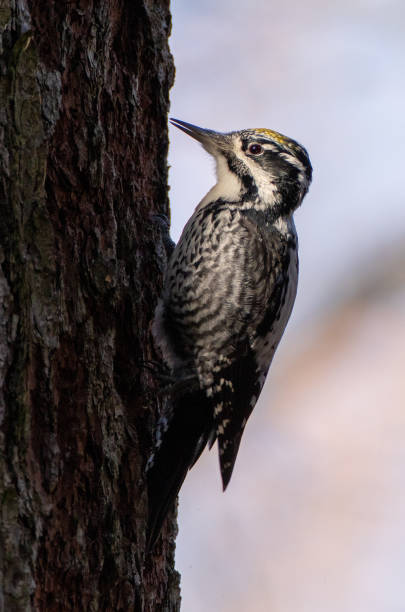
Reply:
x=274, y=135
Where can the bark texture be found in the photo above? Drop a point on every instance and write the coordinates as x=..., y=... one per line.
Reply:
x=83, y=142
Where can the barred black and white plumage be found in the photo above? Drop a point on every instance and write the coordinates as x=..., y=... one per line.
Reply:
x=228, y=293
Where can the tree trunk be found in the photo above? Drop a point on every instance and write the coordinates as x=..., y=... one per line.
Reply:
x=83, y=143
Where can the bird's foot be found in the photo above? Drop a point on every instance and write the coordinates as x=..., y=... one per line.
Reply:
x=162, y=222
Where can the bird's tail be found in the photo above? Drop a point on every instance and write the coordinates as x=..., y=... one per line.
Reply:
x=182, y=437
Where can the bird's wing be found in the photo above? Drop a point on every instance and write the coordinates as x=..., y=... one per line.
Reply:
x=224, y=286
x=232, y=283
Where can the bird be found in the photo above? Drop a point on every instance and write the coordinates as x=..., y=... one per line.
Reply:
x=228, y=292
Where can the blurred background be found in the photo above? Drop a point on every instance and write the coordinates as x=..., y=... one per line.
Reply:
x=314, y=517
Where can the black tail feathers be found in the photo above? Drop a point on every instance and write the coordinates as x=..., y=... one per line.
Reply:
x=182, y=441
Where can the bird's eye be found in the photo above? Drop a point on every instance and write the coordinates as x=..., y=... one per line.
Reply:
x=255, y=149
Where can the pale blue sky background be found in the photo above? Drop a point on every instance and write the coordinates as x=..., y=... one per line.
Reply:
x=332, y=76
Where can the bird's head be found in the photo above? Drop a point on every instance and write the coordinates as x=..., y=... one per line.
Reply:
x=266, y=165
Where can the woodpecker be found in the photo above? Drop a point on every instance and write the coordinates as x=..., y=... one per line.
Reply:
x=228, y=293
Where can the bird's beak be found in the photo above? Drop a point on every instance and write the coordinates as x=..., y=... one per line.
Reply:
x=210, y=140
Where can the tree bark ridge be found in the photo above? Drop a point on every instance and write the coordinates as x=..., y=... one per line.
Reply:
x=84, y=98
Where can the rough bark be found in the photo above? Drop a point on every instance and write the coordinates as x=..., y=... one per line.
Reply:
x=83, y=142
